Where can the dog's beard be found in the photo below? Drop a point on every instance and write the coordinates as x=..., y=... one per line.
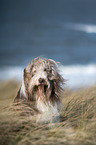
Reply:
x=42, y=92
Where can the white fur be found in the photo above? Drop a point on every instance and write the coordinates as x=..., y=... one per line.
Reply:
x=22, y=91
x=48, y=112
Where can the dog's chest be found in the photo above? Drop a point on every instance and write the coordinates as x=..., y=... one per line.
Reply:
x=48, y=111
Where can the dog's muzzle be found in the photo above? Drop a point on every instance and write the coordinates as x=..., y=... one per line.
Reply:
x=42, y=81
x=42, y=85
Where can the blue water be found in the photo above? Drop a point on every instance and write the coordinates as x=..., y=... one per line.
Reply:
x=63, y=30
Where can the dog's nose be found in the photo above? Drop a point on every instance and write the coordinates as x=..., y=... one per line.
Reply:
x=41, y=80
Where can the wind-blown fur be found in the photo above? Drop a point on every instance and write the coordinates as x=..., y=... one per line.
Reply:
x=42, y=85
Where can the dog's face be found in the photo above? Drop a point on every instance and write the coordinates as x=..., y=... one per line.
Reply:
x=42, y=80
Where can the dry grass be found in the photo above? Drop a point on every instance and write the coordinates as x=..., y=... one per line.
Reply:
x=78, y=126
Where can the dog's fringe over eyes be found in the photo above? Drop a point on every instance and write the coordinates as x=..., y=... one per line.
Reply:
x=42, y=85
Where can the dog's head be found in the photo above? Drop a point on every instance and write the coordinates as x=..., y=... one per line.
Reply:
x=42, y=81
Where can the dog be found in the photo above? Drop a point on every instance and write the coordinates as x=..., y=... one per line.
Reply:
x=43, y=85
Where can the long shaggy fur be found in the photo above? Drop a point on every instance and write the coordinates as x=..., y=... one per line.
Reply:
x=42, y=85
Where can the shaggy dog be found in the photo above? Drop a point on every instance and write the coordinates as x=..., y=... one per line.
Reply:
x=43, y=85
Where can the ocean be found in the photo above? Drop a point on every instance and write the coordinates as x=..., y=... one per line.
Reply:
x=63, y=30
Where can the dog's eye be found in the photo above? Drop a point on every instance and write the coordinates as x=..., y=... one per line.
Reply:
x=48, y=70
x=33, y=72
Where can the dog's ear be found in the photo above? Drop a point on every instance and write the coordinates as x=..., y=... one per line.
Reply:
x=22, y=91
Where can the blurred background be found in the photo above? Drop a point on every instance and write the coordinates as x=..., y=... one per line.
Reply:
x=63, y=30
